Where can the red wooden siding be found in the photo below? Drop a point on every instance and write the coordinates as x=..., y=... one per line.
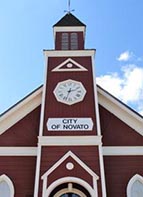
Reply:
x=116, y=133
x=21, y=171
x=53, y=108
x=23, y=133
x=118, y=171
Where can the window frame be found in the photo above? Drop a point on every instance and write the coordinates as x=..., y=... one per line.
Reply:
x=73, y=41
x=65, y=45
x=69, y=41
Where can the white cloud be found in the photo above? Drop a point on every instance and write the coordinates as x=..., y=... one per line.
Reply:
x=112, y=83
x=133, y=84
x=128, y=87
x=125, y=56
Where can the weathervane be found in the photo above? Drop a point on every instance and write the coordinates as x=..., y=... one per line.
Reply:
x=69, y=8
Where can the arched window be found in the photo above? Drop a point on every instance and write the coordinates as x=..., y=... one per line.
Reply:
x=6, y=187
x=74, y=41
x=65, y=41
x=135, y=186
x=69, y=190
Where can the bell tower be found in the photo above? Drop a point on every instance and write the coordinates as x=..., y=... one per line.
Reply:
x=69, y=33
x=70, y=160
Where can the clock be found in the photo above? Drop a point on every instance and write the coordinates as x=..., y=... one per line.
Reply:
x=69, y=92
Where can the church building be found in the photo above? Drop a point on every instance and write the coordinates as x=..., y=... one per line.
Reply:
x=70, y=137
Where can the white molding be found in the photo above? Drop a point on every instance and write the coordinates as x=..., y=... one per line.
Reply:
x=60, y=69
x=18, y=151
x=9, y=182
x=70, y=53
x=122, y=112
x=47, y=191
x=102, y=171
x=122, y=150
x=70, y=140
x=79, y=181
x=20, y=110
x=69, y=29
x=37, y=173
x=131, y=182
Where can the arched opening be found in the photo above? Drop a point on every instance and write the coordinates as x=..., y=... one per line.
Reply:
x=6, y=187
x=135, y=186
x=70, y=190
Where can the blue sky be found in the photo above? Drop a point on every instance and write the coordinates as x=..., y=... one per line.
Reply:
x=114, y=29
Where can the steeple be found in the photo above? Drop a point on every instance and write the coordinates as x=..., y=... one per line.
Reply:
x=69, y=33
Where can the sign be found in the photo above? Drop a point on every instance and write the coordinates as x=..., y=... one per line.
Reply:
x=69, y=124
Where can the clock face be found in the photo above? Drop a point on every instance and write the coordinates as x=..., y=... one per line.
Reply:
x=69, y=92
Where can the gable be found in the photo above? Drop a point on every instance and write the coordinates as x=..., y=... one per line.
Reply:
x=24, y=132
x=20, y=110
x=120, y=110
x=76, y=159
x=115, y=132
x=122, y=114
x=63, y=167
x=68, y=66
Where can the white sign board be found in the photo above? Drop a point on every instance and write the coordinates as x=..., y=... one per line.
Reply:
x=69, y=124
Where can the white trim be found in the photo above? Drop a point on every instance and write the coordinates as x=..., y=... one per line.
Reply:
x=102, y=171
x=60, y=69
x=70, y=140
x=18, y=151
x=20, y=111
x=119, y=110
x=9, y=182
x=122, y=150
x=70, y=154
x=47, y=191
x=79, y=181
x=69, y=29
x=37, y=174
x=131, y=182
x=95, y=187
x=43, y=98
x=70, y=53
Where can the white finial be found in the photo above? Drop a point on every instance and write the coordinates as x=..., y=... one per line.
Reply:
x=69, y=8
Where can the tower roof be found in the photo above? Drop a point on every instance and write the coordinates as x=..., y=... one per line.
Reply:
x=69, y=20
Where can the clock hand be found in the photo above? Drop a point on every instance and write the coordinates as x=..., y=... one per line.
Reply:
x=74, y=89
x=69, y=91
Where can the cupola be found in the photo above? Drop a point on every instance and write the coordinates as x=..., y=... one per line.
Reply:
x=69, y=33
